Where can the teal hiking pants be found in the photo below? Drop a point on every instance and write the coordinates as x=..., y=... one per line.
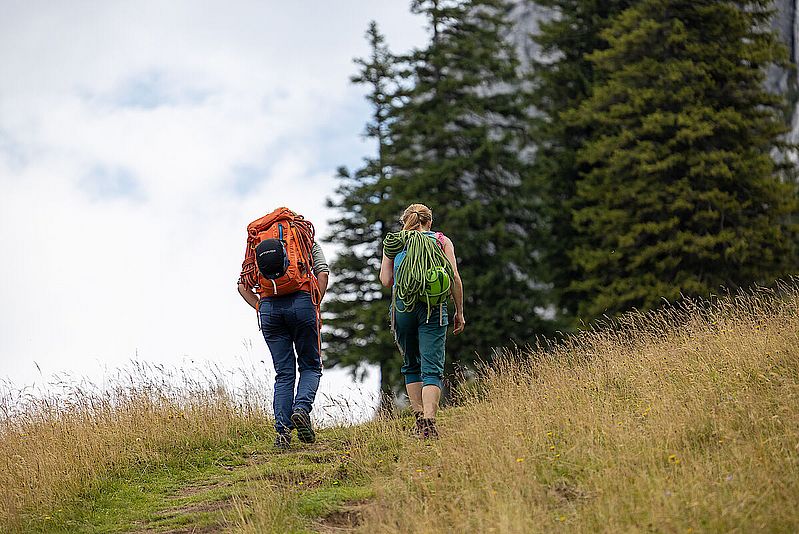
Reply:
x=421, y=340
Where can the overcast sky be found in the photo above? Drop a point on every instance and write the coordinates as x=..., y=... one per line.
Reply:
x=137, y=140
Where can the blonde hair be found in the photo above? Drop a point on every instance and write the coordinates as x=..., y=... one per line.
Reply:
x=415, y=216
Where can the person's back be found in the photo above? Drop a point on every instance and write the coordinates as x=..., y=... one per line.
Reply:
x=284, y=277
x=420, y=267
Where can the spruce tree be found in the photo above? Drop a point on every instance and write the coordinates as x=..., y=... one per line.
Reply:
x=562, y=78
x=356, y=312
x=679, y=190
x=458, y=146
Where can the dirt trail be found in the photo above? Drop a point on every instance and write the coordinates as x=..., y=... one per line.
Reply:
x=225, y=500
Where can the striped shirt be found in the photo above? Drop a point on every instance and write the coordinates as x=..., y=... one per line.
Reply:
x=319, y=261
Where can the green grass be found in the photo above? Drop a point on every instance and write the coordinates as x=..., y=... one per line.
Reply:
x=686, y=422
x=215, y=487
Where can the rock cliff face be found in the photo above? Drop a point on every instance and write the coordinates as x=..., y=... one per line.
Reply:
x=786, y=25
x=527, y=16
x=786, y=81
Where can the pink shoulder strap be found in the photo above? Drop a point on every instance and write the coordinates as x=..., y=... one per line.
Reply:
x=441, y=238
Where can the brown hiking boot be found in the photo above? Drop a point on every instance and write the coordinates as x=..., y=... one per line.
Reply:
x=417, y=431
x=429, y=430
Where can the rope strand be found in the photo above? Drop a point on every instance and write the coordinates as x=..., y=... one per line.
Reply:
x=422, y=256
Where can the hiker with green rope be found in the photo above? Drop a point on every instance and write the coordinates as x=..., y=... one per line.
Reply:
x=420, y=267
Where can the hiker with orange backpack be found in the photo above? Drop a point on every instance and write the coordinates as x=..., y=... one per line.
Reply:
x=420, y=267
x=284, y=278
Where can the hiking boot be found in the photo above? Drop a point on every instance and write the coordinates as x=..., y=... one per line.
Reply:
x=419, y=426
x=302, y=422
x=429, y=430
x=283, y=442
x=417, y=431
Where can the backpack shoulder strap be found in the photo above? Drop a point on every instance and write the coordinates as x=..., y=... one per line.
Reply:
x=441, y=239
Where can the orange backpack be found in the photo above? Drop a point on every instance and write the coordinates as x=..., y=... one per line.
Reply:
x=297, y=236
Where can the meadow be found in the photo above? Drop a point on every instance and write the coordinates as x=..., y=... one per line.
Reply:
x=681, y=420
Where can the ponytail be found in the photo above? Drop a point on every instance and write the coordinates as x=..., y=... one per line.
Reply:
x=416, y=216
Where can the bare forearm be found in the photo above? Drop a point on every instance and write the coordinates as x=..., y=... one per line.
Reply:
x=323, y=279
x=249, y=296
x=457, y=294
x=387, y=271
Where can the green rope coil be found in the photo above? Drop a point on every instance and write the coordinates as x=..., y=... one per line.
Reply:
x=423, y=256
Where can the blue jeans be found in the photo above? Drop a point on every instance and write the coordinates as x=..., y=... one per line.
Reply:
x=290, y=323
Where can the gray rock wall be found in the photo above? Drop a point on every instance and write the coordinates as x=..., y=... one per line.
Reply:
x=786, y=81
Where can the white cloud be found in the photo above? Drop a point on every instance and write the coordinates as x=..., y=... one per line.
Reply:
x=137, y=140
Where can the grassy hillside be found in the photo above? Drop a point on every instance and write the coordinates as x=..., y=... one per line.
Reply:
x=682, y=421
x=686, y=420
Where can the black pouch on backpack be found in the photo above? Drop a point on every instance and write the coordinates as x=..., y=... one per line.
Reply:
x=271, y=258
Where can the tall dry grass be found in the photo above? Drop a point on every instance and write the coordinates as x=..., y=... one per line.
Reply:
x=55, y=442
x=676, y=421
x=684, y=420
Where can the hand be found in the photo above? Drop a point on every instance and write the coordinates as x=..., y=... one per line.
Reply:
x=460, y=322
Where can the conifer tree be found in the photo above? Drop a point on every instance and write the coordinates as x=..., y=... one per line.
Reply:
x=356, y=312
x=561, y=80
x=458, y=144
x=679, y=191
